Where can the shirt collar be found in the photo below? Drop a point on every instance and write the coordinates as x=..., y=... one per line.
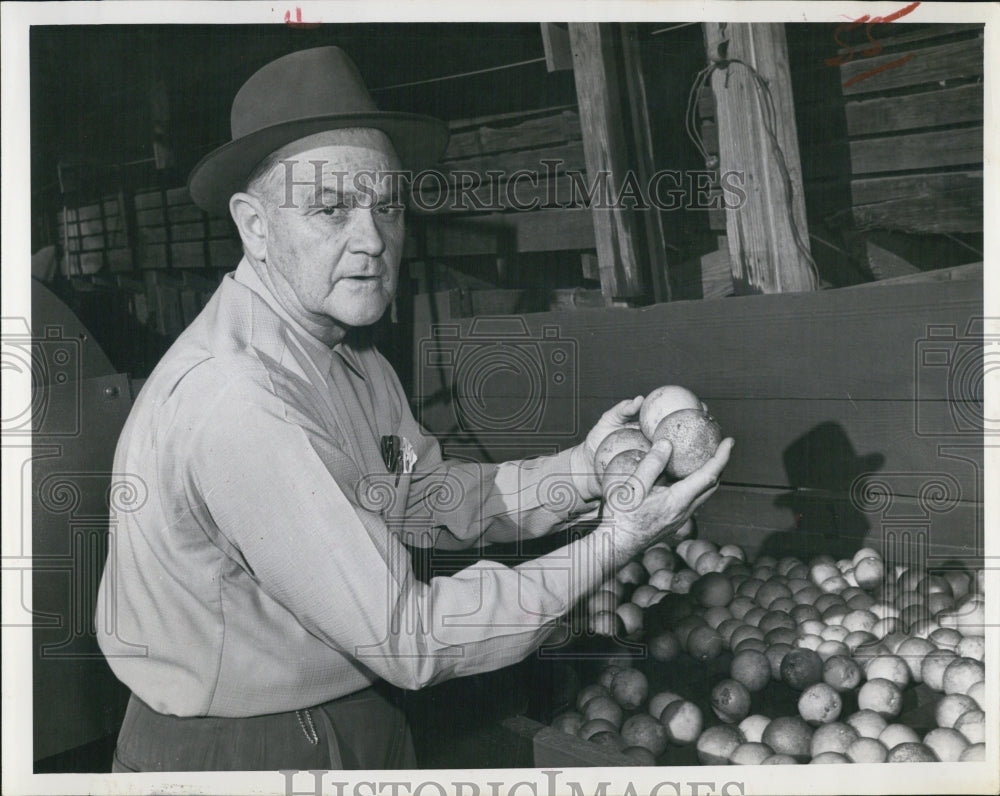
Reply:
x=249, y=278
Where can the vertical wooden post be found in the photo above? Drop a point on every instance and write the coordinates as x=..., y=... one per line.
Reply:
x=645, y=162
x=605, y=150
x=764, y=254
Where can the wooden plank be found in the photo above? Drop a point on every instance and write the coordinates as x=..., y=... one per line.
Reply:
x=558, y=128
x=570, y=157
x=896, y=35
x=764, y=253
x=651, y=220
x=769, y=344
x=496, y=233
x=943, y=202
x=969, y=271
x=555, y=41
x=963, y=59
x=494, y=118
x=557, y=749
x=918, y=151
x=522, y=195
x=616, y=230
x=928, y=109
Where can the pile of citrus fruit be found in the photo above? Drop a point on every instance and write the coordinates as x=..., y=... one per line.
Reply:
x=787, y=661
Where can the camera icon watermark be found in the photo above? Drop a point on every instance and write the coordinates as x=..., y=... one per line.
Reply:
x=503, y=380
x=51, y=360
x=951, y=367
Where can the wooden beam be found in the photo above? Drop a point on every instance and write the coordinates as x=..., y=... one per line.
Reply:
x=555, y=40
x=616, y=230
x=652, y=219
x=765, y=252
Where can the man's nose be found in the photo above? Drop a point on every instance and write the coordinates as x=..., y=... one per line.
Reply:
x=366, y=237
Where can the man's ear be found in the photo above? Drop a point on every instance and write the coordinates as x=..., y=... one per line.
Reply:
x=248, y=213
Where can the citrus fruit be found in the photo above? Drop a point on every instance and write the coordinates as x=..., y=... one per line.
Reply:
x=712, y=589
x=895, y=734
x=947, y=743
x=971, y=647
x=631, y=616
x=945, y=638
x=664, y=401
x=960, y=674
x=789, y=735
x=639, y=756
x=801, y=668
x=868, y=723
x=913, y=651
x=882, y=696
x=682, y=581
x=716, y=744
x=866, y=750
x=594, y=726
x=820, y=704
x=911, y=753
x=751, y=668
x=608, y=740
x=858, y=638
x=834, y=633
x=606, y=623
x=775, y=654
x=645, y=731
x=888, y=667
x=664, y=646
x=569, y=722
x=975, y=752
x=621, y=439
x=753, y=727
x=645, y=595
x=779, y=760
x=630, y=688
x=978, y=692
x=744, y=632
x=972, y=724
x=733, y=550
x=658, y=557
x=951, y=708
x=606, y=676
x=730, y=701
x=832, y=649
x=704, y=643
x=834, y=736
x=780, y=635
x=750, y=754
x=934, y=666
x=716, y=616
x=659, y=701
x=662, y=580
x=603, y=707
x=683, y=720
x=829, y=757
x=588, y=692
x=694, y=435
x=841, y=673
x=619, y=469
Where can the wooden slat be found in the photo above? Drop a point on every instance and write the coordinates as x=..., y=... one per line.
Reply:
x=892, y=36
x=494, y=233
x=917, y=151
x=557, y=749
x=491, y=197
x=928, y=65
x=767, y=346
x=764, y=255
x=555, y=41
x=949, y=202
x=616, y=231
x=927, y=109
x=561, y=127
x=957, y=273
x=496, y=118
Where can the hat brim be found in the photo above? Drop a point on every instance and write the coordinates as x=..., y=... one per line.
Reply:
x=420, y=142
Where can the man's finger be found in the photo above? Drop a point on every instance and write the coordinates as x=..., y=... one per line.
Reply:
x=704, y=478
x=624, y=410
x=652, y=464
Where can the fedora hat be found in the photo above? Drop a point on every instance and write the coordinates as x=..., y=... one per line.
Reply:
x=300, y=94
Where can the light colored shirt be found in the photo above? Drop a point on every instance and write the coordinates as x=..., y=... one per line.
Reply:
x=257, y=563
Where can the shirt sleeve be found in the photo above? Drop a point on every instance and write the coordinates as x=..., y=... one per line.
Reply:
x=336, y=566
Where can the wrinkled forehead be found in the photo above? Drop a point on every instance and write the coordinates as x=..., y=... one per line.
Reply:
x=331, y=157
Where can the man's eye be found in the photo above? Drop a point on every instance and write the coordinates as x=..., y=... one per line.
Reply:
x=334, y=210
x=390, y=209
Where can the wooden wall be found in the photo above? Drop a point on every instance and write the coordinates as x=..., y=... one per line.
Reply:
x=817, y=389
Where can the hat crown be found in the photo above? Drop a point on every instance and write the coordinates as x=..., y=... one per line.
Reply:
x=321, y=81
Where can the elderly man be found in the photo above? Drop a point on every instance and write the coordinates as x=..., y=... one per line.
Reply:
x=258, y=600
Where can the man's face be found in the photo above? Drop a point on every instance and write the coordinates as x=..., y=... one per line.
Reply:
x=335, y=229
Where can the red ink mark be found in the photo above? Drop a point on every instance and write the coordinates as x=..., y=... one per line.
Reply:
x=877, y=69
x=297, y=22
x=876, y=46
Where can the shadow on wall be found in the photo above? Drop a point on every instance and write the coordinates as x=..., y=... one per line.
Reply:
x=821, y=467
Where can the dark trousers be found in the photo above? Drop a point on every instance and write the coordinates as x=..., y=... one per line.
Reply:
x=365, y=730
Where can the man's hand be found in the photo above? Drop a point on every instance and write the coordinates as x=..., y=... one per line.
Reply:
x=642, y=512
x=615, y=418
